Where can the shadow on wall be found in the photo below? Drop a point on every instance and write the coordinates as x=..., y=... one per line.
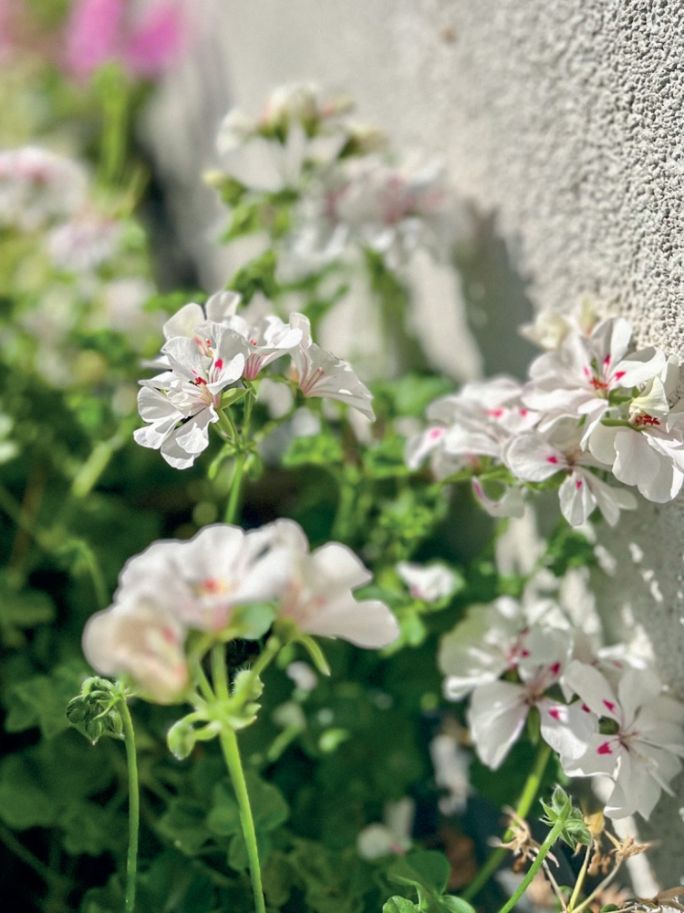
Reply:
x=496, y=301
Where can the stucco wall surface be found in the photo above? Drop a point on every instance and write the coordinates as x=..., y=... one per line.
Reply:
x=562, y=122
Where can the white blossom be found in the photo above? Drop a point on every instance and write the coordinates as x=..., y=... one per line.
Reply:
x=393, y=836
x=180, y=404
x=319, y=373
x=430, y=583
x=39, y=187
x=451, y=765
x=534, y=457
x=138, y=637
x=199, y=582
x=318, y=594
x=639, y=743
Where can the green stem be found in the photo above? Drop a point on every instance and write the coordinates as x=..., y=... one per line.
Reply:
x=235, y=486
x=599, y=889
x=219, y=672
x=133, y=807
x=579, y=884
x=231, y=754
x=523, y=807
x=537, y=864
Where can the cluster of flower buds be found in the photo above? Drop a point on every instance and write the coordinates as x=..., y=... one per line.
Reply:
x=212, y=352
x=347, y=194
x=602, y=710
x=593, y=412
x=207, y=584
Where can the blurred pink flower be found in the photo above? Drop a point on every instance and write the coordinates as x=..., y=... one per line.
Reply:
x=100, y=31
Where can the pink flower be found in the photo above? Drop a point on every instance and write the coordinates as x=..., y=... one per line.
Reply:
x=100, y=31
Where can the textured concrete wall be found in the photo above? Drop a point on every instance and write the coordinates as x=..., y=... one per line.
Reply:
x=562, y=122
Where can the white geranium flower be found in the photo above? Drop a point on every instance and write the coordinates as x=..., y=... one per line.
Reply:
x=430, y=583
x=534, y=457
x=217, y=309
x=647, y=449
x=451, y=765
x=367, y=203
x=318, y=594
x=268, y=337
x=478, y=421
x=579, y=378
x=200, y=581
x=393, y=836
x=503, y=636
x=639, y=744
x=181, y=403
x=83, y=243
x=138, y=637
x=38, y=187
x=320, y=373
x=549, y=328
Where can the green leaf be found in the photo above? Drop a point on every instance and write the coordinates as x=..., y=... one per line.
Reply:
x=42, y=700
x=451, y=904
x=315, y=652
x=400, y=905
x=424, y=869
x=183, y=825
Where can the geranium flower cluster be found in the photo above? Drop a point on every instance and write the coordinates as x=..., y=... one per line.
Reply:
x=346, y=196
x=603, y=712
x=83, y=266
x=594, y=411
x=175, y=587
x=213, y=349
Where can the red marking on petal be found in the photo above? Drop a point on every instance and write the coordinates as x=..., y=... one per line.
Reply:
x=552, y=459
x=585, y=708
x=609, y=705
x=607, y=360
x=604, y=748
x=211, y=585
x=523, y=412
x=618, y=375
x=524, y=653
x=199, y=381
x=555, y=713
x=436, y=433
x=495, y=413
x=169, y=635
x=219, y=364
x=578, y=484
x=555, y=668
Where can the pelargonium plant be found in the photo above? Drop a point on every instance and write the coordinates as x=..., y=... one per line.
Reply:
x=313, y=678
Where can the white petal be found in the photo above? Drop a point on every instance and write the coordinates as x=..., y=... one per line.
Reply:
x=496, y=717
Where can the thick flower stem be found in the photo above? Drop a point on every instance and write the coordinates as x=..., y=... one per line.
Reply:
x=133, y=808
x=231, y=753
x=523, y=807
x=544, y=850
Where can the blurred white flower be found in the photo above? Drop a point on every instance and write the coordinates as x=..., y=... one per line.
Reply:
x=451, y=765
x=393, y=836
x=427, y=582
x=39, y=187
x=138, y=637
x=318, y=594
x=200, y=581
